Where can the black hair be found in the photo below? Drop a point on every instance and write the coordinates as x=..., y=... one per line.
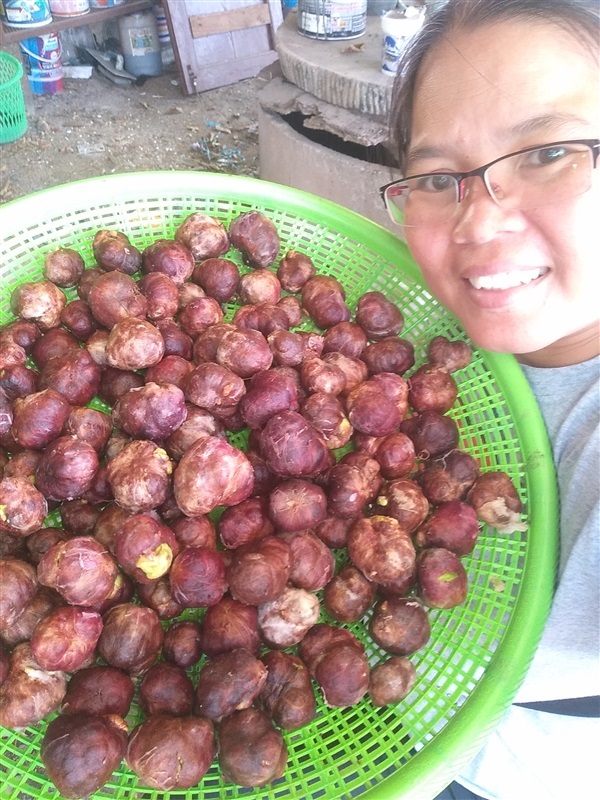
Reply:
x=581, y=18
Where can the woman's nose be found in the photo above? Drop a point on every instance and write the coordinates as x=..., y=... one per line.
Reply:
x=478, y=217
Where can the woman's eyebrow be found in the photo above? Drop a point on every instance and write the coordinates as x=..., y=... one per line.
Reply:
x=546, y=122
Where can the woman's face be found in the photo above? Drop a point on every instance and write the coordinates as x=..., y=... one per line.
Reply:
x=481, y=95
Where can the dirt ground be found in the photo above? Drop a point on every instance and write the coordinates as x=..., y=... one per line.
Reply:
x=95, y=127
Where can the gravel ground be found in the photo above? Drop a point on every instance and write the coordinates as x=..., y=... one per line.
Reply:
x=95, y=127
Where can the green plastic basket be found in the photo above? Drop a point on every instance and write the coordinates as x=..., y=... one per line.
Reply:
x=479, y=652
x=13, y=121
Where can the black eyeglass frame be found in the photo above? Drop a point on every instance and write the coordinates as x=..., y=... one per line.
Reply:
x=593, y=144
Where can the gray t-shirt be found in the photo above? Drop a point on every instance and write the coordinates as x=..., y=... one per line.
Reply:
x=535, y=755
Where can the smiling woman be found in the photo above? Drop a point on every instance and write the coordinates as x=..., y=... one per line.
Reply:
x=497, y=137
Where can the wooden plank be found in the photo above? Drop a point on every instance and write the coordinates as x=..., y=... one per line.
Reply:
x=235, y=20
x=221, y=58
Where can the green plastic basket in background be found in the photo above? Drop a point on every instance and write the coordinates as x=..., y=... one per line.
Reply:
x=13, y=120
x=479, y=652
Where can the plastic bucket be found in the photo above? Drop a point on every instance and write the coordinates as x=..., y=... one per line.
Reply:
x=332, y=19
x=69, y=8
x=105, y=3
x=41, y=58
x=13, y=121
x=138, y=35
x=26, y=14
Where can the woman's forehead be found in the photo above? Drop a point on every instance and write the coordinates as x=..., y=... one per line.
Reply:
x=503, y=81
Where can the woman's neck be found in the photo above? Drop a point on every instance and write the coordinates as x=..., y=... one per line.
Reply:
x=575, y=349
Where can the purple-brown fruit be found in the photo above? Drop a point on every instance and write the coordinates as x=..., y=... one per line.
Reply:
x=77, y=317
x=259, y=286
x=211, y=473
x=395, y=455
x=377, y=316
x=312, y=562
x=320, y=638
x=346, y=338
x=23, y=465
x=134, y=344
x=214, y=388
x=451, y=355
x=370, y=411
x=333, y=531
x=326, y=413
x=219, y=277
x=80, y=569
x=23, y=508
x=283, y=622
x=245, y=522
x=159, y=597
x=294, y=270
x=41, y=604
x=41, y=541
x=16, y=381
x=288, y=348
x=39, y=418
x=81, y=751
x=251, y=751
x=197, y=577
x=200, y=314
x=259, y=572
x=20, y=332
x=162, y=294
x=348, y=595
x=170, y=753
x=404, y=500
x=114, y=297
x=140, y=476
x=205, y=236
x=497, y=502
x=63, y=266
x=244, y=351
x=66, y=469
x=55, y=342
x=87, y=280
x=229, y=682
x=153, y=411
x=452, y=525
x=99, y=690
x=19, y=584
x=292, y=447
x=287, y=696
x=229, y=625
x=400, y=625
x=441, y=577
x=256, y=237
x=109, y=521
x=177, y=343
x=29, y=693
x=449, y=477
x=113, y=251
x=131, y=638
x=343, y=675
x=391, y=681
x=433, y=434
x=41, y=302
x=268, y=393
x=170, y=369
x=145, y=548
x=75, y=375
x=166, y=689
x=66, y=639
x=114, y=383
x=89, y=425
x=297, y=504
x=323, y=299
x=381, y=549
x=431, y=388
x=195, y=531
x=317, y=375
x=392, y=354
x=182, y=644
x=170, y=258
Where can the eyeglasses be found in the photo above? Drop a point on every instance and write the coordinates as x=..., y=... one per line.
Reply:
x=535, y=176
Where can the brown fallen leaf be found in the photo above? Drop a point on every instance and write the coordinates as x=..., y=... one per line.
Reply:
x=174, y=110
x=354, y=48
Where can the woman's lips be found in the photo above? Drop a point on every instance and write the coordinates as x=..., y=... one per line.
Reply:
x=506, y=280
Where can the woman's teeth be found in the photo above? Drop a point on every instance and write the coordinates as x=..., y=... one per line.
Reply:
x=505, y=280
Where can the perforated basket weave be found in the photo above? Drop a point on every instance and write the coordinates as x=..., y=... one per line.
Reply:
x=13, y=119
x=478, y=652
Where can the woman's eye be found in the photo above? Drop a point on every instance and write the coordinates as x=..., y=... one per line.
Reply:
x=437, y=182
x=549, y=155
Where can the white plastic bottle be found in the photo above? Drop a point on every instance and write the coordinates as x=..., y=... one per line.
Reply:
x=138, y=35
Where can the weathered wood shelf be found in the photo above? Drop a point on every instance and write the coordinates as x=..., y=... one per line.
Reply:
x=9, y=35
